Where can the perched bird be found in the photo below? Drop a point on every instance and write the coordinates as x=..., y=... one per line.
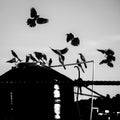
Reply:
x=75, y=41
x=13, y=60
x=35, y=18
x=70, y=37
x=15, y=55
x=41, y=57
x=50, y=62
x=83, y=59
x=27, y=58
x=61, y=60
x=32, y=58
x=79, y=64
x=38, y=55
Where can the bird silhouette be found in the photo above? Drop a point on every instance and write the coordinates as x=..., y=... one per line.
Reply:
x=70, y=37
x=79, y=64
x=83, y=59
x=61, y=51
x=75, y=41
x=50, y=62
x=60, y=55
x=61, y=60
x=27, y=58
x=13, y=60
x=15, y=55
x=109, y=57
x=38, y=55
x=32, y=58
x=35, y=18
x=41, y=57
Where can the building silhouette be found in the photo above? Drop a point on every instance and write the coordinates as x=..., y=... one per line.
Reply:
x=27, y=92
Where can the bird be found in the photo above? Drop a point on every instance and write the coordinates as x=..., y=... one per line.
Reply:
x=109, y=57
x=60, y=54
x=35, y=18
x=32, y=58
x=41, y=57
x=27, y=58
x=61, y=60
x=50, y=62
x=61, y=51
x=75, y=41
x=83, y=59
x=15, y=55
x=70, y=37
x=102, y=51
x=38, y=55
x=13, y=60
x=79, y=64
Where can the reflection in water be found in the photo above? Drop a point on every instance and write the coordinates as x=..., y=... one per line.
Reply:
x=57, y=101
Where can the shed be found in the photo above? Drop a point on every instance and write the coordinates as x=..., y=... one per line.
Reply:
x=27, y=91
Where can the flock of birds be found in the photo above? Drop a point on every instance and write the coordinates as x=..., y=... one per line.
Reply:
x=42, y=59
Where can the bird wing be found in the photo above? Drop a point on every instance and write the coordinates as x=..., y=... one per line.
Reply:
x=110, y=64
x=103, y=61
x=33, y=13
x=102, y=51
x=75, y=41
x=70, y=37
x=42, y=20
x=55, y=51
x=110, y=52
x=63, y=51
x=13, y=60
x=38, y=55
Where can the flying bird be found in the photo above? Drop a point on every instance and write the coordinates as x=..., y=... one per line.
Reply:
x=75, y=41
x=70, y=37
x=61, y=51
x=60, y=55
x=109, y=57
x=15, y=55
x=35, y=18
x=83, y=59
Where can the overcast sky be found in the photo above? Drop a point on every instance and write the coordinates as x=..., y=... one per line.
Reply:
x=95, y=22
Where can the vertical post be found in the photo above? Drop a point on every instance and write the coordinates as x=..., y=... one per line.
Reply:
x=91, y=111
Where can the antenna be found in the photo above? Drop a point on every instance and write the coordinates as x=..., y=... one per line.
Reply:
x=93, y=70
